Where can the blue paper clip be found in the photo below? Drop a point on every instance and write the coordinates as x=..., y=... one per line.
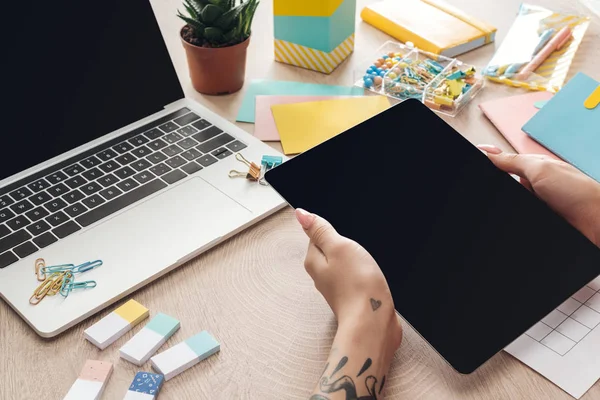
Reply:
x=57, y=268
x=267, y=163
x=87, y=266
x=69, y=285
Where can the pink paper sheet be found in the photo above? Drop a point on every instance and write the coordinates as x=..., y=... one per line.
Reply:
x=264, y=125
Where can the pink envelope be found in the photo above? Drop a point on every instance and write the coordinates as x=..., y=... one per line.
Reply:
x=264, y=124
x=509, y=114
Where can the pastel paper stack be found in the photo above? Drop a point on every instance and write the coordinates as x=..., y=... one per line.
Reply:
x=106, y=331
x=145, y=386
x=148, y=340
x=91, y=381
x=314, y=34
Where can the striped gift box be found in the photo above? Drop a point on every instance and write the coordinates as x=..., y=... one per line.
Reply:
x=314, y=34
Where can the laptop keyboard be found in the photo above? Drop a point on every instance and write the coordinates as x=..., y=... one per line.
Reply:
x=41, y=210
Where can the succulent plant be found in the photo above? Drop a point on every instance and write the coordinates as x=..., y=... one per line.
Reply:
x=219, y=23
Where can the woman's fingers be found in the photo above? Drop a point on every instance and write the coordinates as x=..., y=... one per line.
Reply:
x=522, y=165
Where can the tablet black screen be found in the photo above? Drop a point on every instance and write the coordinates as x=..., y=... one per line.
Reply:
x=472, y=258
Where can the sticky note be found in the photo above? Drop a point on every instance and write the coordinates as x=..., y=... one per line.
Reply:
x=145, y=386
x=91, y=381
x=267, y=87
x=302, y=126
x=104, y=332
x=265, y=128
x=185, y=355
x=148, y=340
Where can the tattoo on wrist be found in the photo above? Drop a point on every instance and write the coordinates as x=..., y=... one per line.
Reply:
x=329, y=384
x=375, y=304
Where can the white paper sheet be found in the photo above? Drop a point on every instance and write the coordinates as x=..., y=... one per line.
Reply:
x=565, y=345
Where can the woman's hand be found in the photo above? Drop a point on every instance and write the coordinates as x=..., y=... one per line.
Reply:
x=568, y=191
x=369, y=331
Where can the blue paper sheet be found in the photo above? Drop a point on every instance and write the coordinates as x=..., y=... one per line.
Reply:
x=262, y=87
x=569, y=129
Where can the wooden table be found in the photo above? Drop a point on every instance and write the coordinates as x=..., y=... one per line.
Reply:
x=252, y=292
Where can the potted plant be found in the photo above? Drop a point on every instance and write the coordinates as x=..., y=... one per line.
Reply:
x=215, y=38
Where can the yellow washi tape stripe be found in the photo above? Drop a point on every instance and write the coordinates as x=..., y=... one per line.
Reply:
x=594, y=99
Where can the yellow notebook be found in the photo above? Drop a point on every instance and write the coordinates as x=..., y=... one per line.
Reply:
x=302, y=126
x=432, y=25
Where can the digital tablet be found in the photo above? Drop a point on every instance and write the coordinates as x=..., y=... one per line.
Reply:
x=472, y=258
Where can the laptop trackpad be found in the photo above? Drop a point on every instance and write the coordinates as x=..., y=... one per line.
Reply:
x=165, y=228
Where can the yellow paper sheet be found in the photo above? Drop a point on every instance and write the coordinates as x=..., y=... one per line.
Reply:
x=302, y=126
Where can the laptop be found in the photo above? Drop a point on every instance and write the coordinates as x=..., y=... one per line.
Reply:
x=105, y=159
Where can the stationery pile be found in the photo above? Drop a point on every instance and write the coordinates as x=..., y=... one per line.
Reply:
x=303, y=115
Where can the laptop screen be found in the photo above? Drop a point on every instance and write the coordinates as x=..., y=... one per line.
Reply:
x=75, y=71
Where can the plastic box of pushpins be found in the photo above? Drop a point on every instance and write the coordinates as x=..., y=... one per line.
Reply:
x=402, y=72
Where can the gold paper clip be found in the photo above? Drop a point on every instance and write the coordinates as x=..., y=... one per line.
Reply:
x=39, y=273
x=253, y=173
x=49, y=287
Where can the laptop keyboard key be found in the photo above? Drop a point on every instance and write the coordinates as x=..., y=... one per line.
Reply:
x=123, y=147
x=138, y=140
x=121, y=202
x=90, y=188
x=109, y=166
x=186, y=119
x=172, y=150
x=144, y=177
x=160, y=169
x=40, y=198
x=202, y=124
x=58, y=190
x=45, y=240
x=187, y=131
x=73, y=170
x=215, y=143
x=21, y=193
x=110, y=193
x=173, y=138
x=141, y=165
x=93, y=201
x=127, y=185
x=21, y=207
x=107, y=154
x=222, y=153
x=109, y=179
x=75, y=210
x=123, y=173
x=73, y=196
x=206, y=134
x=55, y=205
x=57, y=219
x=206, y=160
x=5, y=201
x=191, y=167
x=141, y=152
x=25, y=249
x=4, y=231
x=5, y=215
x=126, y=159
x=187, y=143
x=157, y=144
x=169, y=127
x=17, y=223
x=75, y=182
x=191, y=154
x=236, y=146
x=37, y=213
x=174, y=176
x=157, y=157
x=153, y=133
x=92, y=174
x=176, y=162
x=38, y=185
x=66, y=229
x=90, y=162
x=37, y=228
x=13, y=240
x=56, y=177
x=7, y=258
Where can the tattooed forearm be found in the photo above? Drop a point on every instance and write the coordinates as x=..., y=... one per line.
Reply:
x=333, y=383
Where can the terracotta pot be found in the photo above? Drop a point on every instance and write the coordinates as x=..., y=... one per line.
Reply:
x=219, y=70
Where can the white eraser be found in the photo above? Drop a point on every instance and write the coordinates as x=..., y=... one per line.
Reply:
x=91, y=381
x=146, y=342
x=145, y=386
x=104, y=332
x=185, y=355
